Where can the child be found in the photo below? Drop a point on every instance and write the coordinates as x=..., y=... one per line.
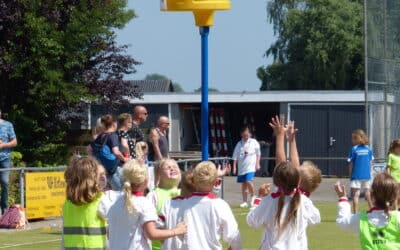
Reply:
x=285, y=214
x=393, y=164
x=247, y=158
x=208, y=218
x=379, y=227
x=169, y=176
x=82, y=227
x=310, y=175
x=132, y=218
x=360, y=159
x=142, y=151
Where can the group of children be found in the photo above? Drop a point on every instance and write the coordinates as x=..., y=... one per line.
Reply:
x=183, y=213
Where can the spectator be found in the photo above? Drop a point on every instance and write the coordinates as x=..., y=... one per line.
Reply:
x=158, y=140
x=8, y=140
x=140, y=115
x=247, y=158
x=127, y=143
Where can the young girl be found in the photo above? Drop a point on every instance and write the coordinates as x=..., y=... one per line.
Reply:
x=247, y=158
x=360, y=159
x=286, y=213
x=169, y=176
x=379, y=227
x=132, y=218
x=142, y=150
x=393, y=164
x=82, y=227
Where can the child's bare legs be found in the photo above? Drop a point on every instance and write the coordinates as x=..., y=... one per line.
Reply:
x=244, y=193
x=356, y=197
x=368, y=197
x=250, y=187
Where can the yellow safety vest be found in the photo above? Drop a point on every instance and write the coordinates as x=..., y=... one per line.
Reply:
x=83, y=229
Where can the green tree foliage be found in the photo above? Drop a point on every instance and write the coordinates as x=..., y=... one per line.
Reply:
x=319, y=45
x=54, y=54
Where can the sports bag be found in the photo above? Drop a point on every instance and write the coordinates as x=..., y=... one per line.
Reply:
x=104, y=154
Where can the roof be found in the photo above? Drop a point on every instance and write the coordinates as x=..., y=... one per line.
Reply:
x=153, y=86
x=331, y=96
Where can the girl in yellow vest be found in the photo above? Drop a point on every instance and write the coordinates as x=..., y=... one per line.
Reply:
x=168, y=176
x=378, y=228
x=131, y=217
x=393, y=163
x=82, y=227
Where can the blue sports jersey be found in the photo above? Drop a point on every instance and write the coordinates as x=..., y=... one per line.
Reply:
x=361, y=156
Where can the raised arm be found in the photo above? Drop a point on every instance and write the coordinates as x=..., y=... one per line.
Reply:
x=291, y=137
x=277, y=124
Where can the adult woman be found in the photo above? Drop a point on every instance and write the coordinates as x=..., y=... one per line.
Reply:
x=127, y=142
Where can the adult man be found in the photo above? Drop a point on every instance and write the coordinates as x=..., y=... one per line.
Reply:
x=158, y=140
x=138, y=118
x=8, y=140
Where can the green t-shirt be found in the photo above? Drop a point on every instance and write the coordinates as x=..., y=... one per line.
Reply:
x=394, y=166
x=379, y=238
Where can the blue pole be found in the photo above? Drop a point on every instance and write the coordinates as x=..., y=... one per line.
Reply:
x=204, y=31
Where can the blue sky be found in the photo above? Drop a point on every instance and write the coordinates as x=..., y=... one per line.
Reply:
x=168, y=43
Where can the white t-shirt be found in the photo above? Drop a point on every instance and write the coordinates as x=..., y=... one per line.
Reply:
x=208, y=219
x=126, y=230
x=294, y=235
x=346, y=220
x=245, y=154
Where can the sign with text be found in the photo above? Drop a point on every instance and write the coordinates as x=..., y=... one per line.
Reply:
x=45, y=194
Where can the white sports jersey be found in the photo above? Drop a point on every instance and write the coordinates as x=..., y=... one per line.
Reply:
x=246, y=153
x=345, y=219
x=126, y=230
x=294, y=235
x=208, y=219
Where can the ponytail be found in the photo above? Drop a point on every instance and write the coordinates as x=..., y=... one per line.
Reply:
x=291, y=214
x=128, y=198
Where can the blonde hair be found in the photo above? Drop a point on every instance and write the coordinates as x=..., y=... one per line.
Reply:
x=205, y=174
x=82, y=180
x=134, y=174
x=124, y=118
x=360, y=136
x=139, y=149
x=310, y=176
x=187, y=185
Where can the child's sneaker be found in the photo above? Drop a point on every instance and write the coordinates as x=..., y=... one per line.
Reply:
x=244, y=205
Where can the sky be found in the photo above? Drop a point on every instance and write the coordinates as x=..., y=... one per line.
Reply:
x=168, y=43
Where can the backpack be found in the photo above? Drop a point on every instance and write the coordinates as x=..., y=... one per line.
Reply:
x=103, y=153
x=14, y=218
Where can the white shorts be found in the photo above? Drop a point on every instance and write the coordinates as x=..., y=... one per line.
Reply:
x=360, y=184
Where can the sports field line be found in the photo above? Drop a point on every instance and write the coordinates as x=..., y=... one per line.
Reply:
x=27, y=244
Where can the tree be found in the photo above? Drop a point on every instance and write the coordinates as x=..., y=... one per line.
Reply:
x=210, y=90
x=53, y=56
x=177, y=87
x=319, y=45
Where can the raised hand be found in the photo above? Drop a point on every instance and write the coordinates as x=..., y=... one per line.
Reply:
x=291, y=131
x=340, y=190
x=278, y=125
x=264, y=190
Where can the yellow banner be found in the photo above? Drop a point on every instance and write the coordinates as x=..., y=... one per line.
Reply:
x=45, y=194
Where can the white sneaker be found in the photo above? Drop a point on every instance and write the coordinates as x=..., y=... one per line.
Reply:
x=244, y=205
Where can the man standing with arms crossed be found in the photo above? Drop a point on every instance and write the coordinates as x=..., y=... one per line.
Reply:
x=8, y=140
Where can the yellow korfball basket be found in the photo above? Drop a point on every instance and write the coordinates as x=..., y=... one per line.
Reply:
x=203, y=10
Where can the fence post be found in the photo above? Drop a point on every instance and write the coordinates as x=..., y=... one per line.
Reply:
x=22, y=187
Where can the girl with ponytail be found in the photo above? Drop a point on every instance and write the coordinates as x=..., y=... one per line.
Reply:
x=286, y=213
x=132, y=218
x=379, y=227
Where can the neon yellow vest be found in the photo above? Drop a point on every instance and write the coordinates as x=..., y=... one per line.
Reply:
x=162, y=196
x=82, y=228
x=379, y=238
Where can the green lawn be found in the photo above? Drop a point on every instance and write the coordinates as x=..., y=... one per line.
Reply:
x=326, y=236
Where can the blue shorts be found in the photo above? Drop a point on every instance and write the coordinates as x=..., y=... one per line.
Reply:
x=246, y=177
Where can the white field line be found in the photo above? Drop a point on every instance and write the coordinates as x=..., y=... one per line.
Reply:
x=27, y=244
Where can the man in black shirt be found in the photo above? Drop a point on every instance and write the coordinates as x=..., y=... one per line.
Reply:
x=139, y=117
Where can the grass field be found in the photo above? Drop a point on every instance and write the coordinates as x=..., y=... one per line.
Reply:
x=326, y=236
